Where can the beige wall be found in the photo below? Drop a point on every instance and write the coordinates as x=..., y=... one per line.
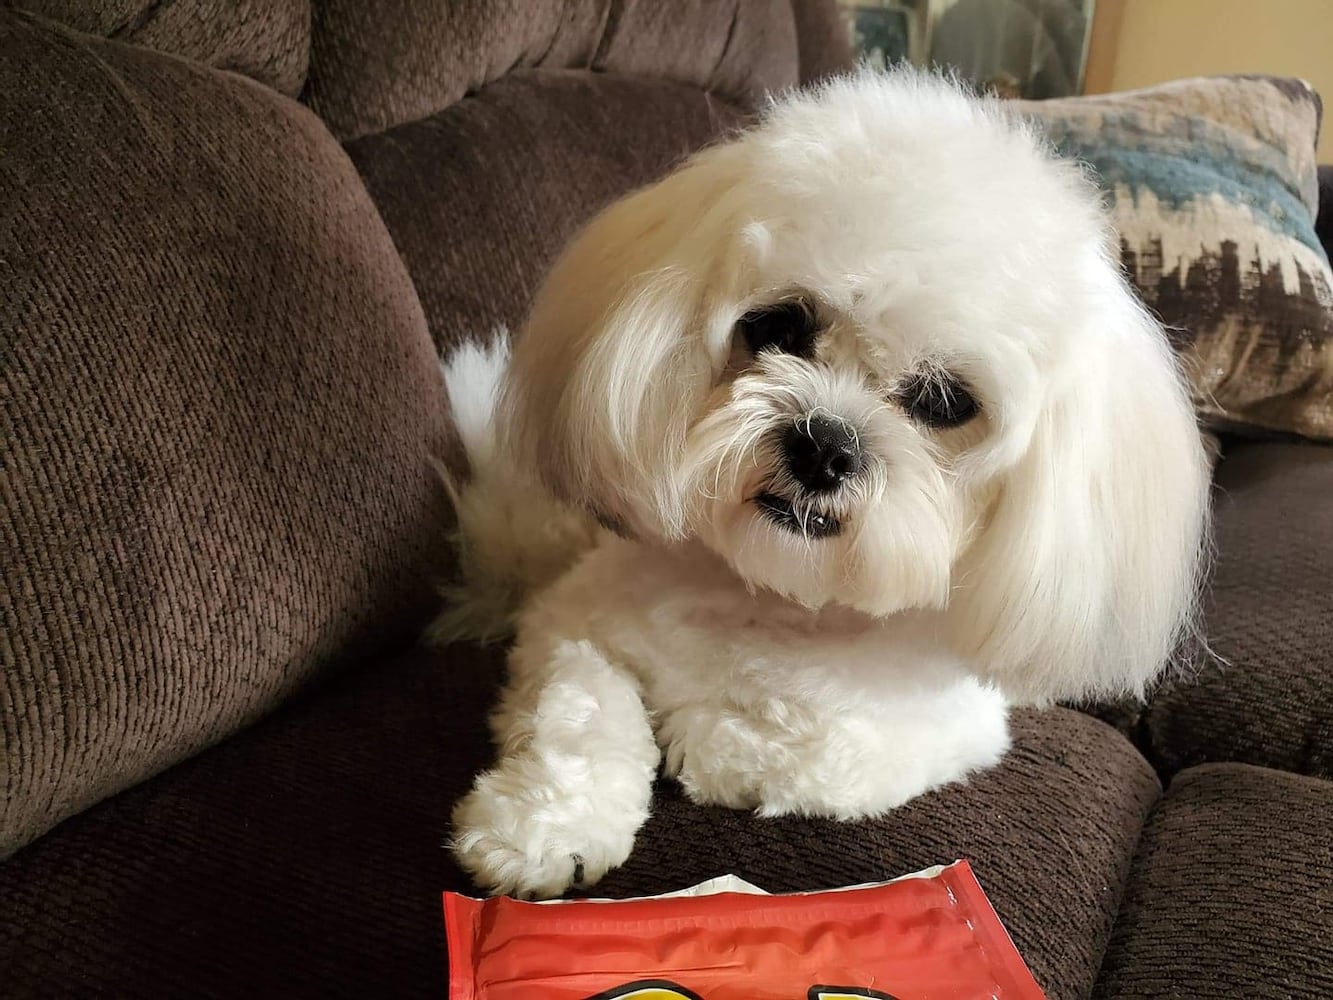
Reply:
x=1159, y=40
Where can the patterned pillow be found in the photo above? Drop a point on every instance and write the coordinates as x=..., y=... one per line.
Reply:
x=1214, y=188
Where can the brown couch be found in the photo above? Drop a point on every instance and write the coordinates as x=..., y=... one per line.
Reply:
x=233, y=239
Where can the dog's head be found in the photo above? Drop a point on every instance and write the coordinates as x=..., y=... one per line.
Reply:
x=877, y=352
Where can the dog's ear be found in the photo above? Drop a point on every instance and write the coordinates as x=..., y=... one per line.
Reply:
x=613, y=363
x=1086, y=575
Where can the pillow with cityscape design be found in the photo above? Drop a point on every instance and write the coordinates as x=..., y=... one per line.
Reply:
x=1214, y=189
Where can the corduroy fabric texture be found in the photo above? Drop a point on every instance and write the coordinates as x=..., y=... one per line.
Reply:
x=482, y=197
x=266, y=40
x=1231, y=894
x=1269, y=617
x=304, y=858
x=374, y=66
x=219, y=401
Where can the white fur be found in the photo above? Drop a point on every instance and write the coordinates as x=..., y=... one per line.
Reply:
x=1049, y=548
x=512, y=538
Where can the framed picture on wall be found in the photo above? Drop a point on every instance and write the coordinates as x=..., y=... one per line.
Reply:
x=1016, y=48
x=885, y=32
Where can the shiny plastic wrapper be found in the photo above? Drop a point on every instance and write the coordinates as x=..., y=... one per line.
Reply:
x=929, y=936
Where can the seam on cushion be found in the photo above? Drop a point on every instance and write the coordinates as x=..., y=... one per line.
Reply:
x=615, y=12
x=1130, y=856
x=137, y=22
x=1132, y=848
x=555, y=37
x=726, y=46
x=746, y=113
x=519, y=62
x=1145, y=742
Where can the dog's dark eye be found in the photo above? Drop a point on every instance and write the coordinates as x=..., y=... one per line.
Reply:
x=938, y=398
x=789, y=327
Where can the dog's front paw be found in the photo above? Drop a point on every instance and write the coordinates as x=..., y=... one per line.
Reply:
x=534, y=843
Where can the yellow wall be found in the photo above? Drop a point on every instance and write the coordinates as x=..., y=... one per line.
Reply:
x=1160, y=40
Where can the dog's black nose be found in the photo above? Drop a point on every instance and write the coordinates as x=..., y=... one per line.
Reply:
x=821, y=452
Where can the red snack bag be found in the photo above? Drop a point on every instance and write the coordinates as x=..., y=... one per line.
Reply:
x=928, y=937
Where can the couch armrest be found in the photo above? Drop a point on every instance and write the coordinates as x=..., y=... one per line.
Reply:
x=219, y=405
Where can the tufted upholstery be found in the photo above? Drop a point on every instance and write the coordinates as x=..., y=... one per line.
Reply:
x=268, y=40
x=374, y=66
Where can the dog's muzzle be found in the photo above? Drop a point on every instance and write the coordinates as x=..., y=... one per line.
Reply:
x=821, y=453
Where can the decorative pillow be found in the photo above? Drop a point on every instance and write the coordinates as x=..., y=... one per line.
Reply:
x=1214, y=187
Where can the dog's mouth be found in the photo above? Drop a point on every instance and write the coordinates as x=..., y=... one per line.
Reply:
x=798, y=519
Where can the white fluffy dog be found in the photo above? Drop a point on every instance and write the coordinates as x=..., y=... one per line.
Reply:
x=879, y=442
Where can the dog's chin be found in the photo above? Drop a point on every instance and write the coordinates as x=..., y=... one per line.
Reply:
x=821, y=551
x=800, y=517
x=785, y=546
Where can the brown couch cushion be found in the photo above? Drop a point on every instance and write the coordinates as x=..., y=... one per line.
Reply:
x=267, y=40
x=822, y=38
x=481, y=198
x=1270, y=616
x=373, y=66
x=304, y=858
x=1230, y=894
x=219, y=403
